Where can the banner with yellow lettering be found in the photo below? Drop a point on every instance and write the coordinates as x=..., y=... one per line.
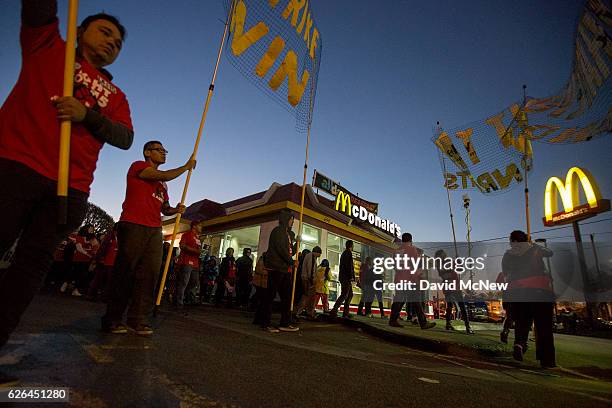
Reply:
x=491, y=155
x=488, y=155
x=276, y=44
x=582, y=110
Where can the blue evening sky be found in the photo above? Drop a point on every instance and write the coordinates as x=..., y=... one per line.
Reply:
x=389, y=70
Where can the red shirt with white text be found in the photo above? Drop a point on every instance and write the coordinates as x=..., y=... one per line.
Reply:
x=29, y=128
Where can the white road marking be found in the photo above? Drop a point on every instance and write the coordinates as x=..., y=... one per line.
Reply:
x=429, y=380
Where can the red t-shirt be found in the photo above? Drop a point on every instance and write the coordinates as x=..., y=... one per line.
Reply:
x=91, y=247
x=143, y=198
x=406, y=274
x=190, y=239
x=29, y=128
x=108, y=258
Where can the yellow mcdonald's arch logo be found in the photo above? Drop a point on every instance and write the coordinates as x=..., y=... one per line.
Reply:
x=569, y=193
x=343, y=200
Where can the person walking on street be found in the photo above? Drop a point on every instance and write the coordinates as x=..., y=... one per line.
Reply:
x=452, y=297
x=308, y=273
x=346, y=277
x=507, y=306
x=367, y=278
x=188, y=262
x=86, y=247
x=322, y=285
x=244, y=276
x=105, y=260
x=207, y=279
x=260, y=281
x=139, y=235
x=279, y=263
x=226, y=282
x=532, y=297
x=413, y=298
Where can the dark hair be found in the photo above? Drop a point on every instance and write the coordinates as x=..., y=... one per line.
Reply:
x=325, y=263
x=518, y=236
x=147, y=146
x=348, y=244
x=317, y=249
x=84, y=228
x=103, y=16
x=439, y=253
x=406, y=237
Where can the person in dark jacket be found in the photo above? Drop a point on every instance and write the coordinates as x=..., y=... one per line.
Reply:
x=244, y=276
x=346, y=277
x=532, y=297
x=366, y=283
x=279, y=263
x=452, y=297
x=226, y=282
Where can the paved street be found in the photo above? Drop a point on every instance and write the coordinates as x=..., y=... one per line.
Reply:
x=216, y=357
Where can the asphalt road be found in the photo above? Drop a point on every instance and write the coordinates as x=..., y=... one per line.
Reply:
x=216, y=357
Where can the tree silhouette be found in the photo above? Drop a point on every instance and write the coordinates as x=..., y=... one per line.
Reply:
x=99, y=218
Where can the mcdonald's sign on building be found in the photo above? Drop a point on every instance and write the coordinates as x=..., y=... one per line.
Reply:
x=570, y=198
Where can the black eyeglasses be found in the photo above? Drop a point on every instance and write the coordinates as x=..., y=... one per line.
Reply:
x=160, y=149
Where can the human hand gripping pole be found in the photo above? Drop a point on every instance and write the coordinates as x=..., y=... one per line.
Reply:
x=66, y=124
x=193, y=157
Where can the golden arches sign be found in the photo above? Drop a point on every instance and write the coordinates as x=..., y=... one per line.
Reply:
x=343, y=203
x=570, y=198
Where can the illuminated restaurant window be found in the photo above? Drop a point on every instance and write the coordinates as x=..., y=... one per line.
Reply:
x=311, y=236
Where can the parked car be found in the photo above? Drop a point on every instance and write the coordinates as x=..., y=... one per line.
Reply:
x=477, y=311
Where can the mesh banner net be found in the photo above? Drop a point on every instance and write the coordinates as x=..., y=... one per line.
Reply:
x=491, y=155
x=276, y=45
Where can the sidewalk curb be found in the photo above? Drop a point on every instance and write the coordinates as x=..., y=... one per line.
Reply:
x=421, y=343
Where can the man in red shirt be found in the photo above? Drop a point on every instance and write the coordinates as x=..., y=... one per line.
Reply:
x=188, y=261
x=105, y=260
x=139, y=235
x=29, y=143
x=412, y=298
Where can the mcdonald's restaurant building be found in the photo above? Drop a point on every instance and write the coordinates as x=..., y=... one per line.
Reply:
x=248, y=221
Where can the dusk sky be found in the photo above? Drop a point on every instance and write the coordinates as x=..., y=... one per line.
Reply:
x=389, y=71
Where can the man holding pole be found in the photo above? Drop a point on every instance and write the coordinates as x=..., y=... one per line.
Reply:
x=139, y=235
x=29, y=143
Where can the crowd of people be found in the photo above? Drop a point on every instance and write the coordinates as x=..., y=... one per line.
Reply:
x=123, y=267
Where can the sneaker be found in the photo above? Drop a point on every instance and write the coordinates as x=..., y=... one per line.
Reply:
x=333, y=313
x=370, y=315
x=450, y=327
x=64, y=287
x=75, y=292
x=271, y=329
x=469, y=330
x=7, y=381
x=428, y=325
x=347, y=316
x=143, y=330
x=384, y=317
x=116, y=329
x=518, y=352
x=395, y=323
x=289, y=328
x=503, y=336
